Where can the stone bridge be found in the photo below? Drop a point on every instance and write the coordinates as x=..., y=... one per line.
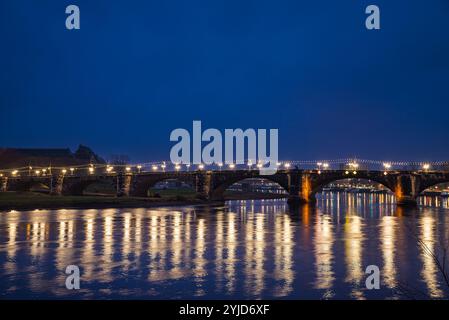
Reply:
x=301, y=185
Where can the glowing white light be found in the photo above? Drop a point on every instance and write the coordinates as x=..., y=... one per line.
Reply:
x=426, y=166
x=37, y=172
x=201, y=166
x=387, y=165
x=109, y=169
x=64, y=171
x=231, y=166
x=287, y=165
x=353, y=165
x=91, y=170
x=128, y=169
x=177, y=167
x=325, y=165
x=154, y=168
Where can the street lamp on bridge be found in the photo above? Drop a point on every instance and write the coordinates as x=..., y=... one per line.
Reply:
x=353, y=165
x=387, y=167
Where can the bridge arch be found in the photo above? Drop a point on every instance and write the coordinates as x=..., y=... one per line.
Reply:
x=423, y=186
x=78, y=187
x=143, y=184
x=319, y=188
x=31, y=185
x=219, y=189
x=320, y=181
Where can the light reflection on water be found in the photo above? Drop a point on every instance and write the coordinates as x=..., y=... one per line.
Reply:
x=247, y=249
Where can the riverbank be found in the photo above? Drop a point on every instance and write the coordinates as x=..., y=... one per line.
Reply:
x=32, y=200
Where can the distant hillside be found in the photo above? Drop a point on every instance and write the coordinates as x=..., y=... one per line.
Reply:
x=17, y=157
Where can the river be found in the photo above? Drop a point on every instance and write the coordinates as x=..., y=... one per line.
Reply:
x=252, y=249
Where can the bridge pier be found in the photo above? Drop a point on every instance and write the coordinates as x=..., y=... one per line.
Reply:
x=306, y=189
x=296, y=201
x=300, y=190
x=406, y=202
x=406, y=190
x=203, y=185
x=4, y=184
x=124, y=184
x=56, y=184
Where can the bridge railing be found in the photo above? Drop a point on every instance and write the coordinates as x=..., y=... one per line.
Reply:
x=167, y=166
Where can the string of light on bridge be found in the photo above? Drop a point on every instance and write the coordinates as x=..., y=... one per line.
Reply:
x=166, y=166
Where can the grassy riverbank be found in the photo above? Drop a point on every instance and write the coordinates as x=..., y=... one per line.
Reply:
x=32, y=200
x=29, y=201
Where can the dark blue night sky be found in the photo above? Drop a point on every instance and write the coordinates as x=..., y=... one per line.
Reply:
x=138, y=69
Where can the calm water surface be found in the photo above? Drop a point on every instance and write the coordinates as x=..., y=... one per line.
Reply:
x=246, y=249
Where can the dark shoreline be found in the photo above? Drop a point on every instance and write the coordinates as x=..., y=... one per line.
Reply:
x=30, y=202
x=161, y=204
